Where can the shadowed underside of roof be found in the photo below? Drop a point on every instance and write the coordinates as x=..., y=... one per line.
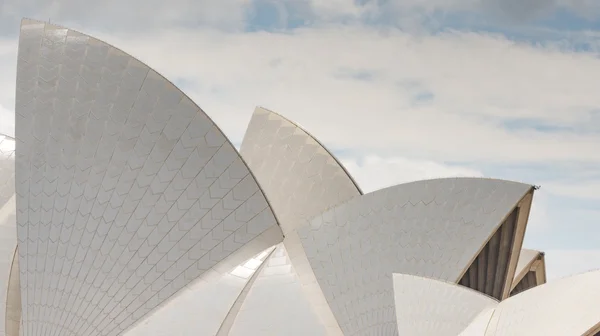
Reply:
x=531, y=271
x=493, y=269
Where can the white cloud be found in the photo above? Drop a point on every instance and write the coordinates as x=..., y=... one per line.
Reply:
x=561, y=263
x=476, y=82
x=586, y=189
x=373, y=172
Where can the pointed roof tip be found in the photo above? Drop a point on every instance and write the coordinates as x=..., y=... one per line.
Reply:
x=261, y=109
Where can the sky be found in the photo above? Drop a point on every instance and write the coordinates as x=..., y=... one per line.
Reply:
x=399, y=90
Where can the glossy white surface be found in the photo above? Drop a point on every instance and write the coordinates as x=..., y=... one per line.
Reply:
x=565, y=307
x=301, y=179
x=276, y=304
x=429, y=228
x=127, y=191
x=428, y=307
x=200, y=308
x=8, y=231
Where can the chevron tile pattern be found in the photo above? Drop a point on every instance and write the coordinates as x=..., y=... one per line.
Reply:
x=126, y=190
x=8, y=230
x=429, y=228
x=300, y=176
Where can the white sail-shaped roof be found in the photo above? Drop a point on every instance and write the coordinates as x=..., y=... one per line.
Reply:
x=302, y=179
x=126, y=190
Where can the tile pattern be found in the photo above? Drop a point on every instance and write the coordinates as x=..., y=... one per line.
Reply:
x=429, y=228
x=276, y=303
x=209, y=298
x=428, y=307
x=302, y=179
x=565, y=307
x=8, y=233
x=126, y=190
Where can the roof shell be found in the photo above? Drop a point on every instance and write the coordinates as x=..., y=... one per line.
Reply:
x=432, y=228
x=142, y=192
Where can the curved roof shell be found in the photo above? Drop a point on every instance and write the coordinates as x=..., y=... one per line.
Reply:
x=301, y=178
x=126, y=190
x=433, y=228
x=299, y=175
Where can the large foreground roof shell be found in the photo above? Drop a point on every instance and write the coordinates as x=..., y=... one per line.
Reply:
x=126, y=190
x=431, y=228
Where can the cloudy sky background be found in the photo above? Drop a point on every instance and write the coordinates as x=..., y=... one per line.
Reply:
x=400, y=90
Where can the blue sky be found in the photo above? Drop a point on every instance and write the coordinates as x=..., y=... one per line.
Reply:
x=399, y=89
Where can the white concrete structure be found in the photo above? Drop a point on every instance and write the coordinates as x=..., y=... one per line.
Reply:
x=124, y=210
x=126, y=190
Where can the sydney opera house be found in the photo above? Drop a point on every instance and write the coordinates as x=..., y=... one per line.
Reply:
x=124, y=210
